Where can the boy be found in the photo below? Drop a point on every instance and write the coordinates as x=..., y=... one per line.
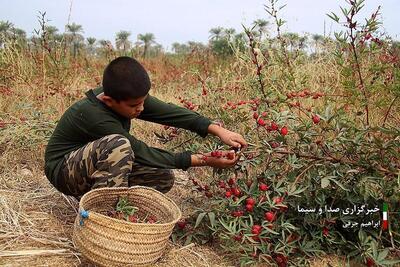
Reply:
x=91, y=146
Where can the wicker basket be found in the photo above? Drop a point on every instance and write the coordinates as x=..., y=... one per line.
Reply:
x=111, y=242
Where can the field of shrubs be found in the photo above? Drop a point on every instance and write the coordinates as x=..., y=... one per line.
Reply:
x=320, y=115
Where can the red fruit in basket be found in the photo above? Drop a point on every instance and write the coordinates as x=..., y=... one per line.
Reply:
x=221, y=184
x=228, y=194
x=111, y=213
x=152, y=219
x=231, y=181
x=119, y=215
x=264, y=114
x=263, y=187
x=132, y=218
x=269, y=216
x=250, y=201
x=255, y=115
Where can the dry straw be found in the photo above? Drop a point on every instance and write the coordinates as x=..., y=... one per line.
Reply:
x=108, y=241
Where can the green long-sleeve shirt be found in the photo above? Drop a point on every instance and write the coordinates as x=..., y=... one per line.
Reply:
x=90, y=119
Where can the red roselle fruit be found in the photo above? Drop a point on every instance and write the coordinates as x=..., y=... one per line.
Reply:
x=261, y=122
x=238, y=237
x=255, y=115
x=269, y=216
x=133, y=218
x=256, y=229
x=221, y=184
x=249, y=207
x=250, y=201
x=370, y=262
x=231, y=181
x=274, y=126
x=216, y=154
x=316, y=119
x=152, y=219
x=284, y=131
x=278, y=200
x=181, y=224
x=263, y=187
x=230, y=155
x=237, y=213
x=325, y=231
x=235, y=191
x=228, y=194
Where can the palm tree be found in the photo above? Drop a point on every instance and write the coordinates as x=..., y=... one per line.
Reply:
x=229, y=33
x=302, y=42
x=216, y=33
x=5, y=31
x=91, y=41
x=317, y=38
x=122, y=40
x=262, y=26
x=76, y=38
x=147, y=39
x=18, y=34
x=293, y=39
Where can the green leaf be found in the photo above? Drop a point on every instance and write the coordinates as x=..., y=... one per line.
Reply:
x=211, y=216
x=199, y=219
x=334, y=17
x=382, y=255
x=339, y=184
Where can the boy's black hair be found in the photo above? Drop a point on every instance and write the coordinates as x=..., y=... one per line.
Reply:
x=125, y=78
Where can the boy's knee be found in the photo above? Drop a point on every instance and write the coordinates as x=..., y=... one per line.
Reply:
x=116, y=140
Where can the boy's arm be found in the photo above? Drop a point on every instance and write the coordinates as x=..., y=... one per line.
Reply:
x=173, y=115
x=160, y=158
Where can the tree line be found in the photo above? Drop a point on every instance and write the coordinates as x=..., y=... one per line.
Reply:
x=222, y=41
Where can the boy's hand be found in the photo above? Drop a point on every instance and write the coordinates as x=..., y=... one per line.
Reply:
x=217, y=159
x=227, y=137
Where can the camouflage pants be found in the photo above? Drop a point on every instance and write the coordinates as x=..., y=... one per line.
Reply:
x=109, y=162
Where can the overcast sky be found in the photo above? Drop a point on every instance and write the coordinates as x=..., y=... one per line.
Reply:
x=183, y=20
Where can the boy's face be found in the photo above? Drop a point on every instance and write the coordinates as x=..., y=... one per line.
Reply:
x=127, y=108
